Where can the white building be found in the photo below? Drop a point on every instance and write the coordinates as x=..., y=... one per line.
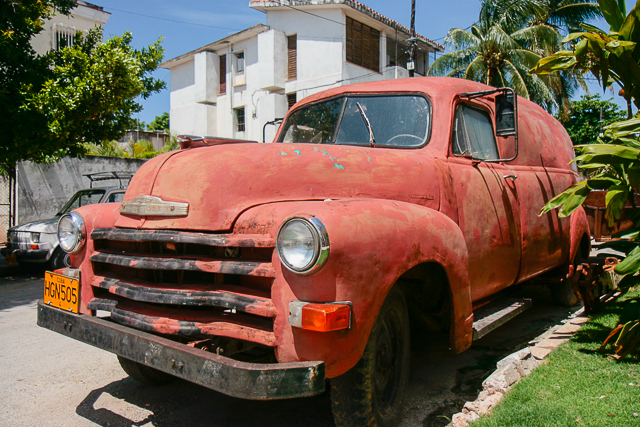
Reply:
x=232, y=87
x=61, y=30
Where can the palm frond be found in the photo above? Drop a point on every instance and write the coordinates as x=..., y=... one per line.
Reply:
x=460, y=39
x=516, y=80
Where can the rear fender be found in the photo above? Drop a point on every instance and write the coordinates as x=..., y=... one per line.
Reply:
x=579, y=234
x=372, y=243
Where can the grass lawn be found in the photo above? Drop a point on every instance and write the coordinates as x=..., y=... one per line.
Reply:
x=578, y=386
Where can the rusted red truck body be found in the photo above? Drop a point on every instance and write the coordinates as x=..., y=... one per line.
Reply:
x=388, y=211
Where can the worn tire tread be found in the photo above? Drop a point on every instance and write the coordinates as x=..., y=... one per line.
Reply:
x=144, y=374
x=352, y=401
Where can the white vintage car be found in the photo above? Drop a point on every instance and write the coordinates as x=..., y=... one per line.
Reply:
x=35, y=244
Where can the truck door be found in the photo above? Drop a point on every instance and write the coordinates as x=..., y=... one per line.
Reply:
x=488, y=212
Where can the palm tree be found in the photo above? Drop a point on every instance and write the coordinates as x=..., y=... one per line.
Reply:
x=510, y=37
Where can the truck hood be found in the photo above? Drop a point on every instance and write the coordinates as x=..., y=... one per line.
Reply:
x=220, y=182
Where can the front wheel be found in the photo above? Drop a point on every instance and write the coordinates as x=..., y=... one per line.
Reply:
x=372, y=392
x=143, y=373
x=59, y=259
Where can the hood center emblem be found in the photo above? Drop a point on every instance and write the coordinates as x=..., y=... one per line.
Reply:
x=153, y=206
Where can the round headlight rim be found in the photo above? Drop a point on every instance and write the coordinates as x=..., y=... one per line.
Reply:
x=81, y=237
x=321, y=250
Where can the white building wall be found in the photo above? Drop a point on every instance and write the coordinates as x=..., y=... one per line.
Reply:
x=319, y=47
x=82, y=18
x=197, y=107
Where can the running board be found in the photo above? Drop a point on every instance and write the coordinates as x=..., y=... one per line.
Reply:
x=497, y=314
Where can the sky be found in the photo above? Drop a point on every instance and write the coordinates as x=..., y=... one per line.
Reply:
x=186, y=25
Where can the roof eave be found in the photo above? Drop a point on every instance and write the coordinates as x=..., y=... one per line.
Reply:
x=212, y=47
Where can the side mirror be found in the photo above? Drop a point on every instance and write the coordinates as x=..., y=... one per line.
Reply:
x=505, y=114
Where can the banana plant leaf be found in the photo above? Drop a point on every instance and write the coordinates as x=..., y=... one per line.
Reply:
x=629, y=265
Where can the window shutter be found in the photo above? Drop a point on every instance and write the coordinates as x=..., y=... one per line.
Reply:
x=223, y=74
x=291, y=99
x=363, y=45
x=292, y=57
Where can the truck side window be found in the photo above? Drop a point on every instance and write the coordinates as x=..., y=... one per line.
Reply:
x=314, y=125
x=473, y=134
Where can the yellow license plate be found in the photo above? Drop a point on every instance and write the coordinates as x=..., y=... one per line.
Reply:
x=61, y=291
x=11, y=259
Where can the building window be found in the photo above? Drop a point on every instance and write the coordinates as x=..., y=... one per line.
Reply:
x=239, y=112
x=291, y=99
x=292, y=57
x=363, y=45
x=63, y=36
x=240, y=62
x=223, y=74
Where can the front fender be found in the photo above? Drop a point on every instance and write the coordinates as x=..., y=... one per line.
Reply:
x=372, y=243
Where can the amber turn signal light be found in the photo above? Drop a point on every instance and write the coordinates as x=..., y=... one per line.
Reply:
x=320, y=317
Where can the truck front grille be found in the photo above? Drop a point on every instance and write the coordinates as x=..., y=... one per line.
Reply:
x=187, y=284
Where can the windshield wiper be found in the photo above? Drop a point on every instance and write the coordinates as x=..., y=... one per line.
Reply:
x=367, y=123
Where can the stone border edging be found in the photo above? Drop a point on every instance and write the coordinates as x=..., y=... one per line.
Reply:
x=515, y=367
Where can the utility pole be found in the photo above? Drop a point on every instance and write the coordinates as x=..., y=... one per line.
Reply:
x=411, y=65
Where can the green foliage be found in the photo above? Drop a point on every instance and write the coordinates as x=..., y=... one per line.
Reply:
x=160, y=123
x=507, y=42
x=582, y=121
x=51, y=105
x=612, y=57
x=138, y=150
x=107, y=149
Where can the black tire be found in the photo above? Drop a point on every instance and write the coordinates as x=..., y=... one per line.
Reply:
x=59, y=259
x=372, y=392
x=33, y=268
x=564, y=293
x=144, y=374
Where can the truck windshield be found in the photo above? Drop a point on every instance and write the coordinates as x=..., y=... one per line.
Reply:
x=82, y=198
x=396, y=121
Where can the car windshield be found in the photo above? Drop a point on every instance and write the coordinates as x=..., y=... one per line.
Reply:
x=396, y=121
x=82, y=198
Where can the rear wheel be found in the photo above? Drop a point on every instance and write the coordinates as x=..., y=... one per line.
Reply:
x=144, y=374
x=564, y=293
x=372, y=392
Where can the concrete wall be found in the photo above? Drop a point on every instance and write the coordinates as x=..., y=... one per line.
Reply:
x=44, y=188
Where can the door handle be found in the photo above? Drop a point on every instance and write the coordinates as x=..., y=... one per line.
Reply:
x=511, y=176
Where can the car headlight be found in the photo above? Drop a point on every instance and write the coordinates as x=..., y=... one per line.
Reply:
x=35, y=237
x=71, y=233
x=303, y=244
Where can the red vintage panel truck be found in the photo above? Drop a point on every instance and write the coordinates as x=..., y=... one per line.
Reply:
x=263, y=270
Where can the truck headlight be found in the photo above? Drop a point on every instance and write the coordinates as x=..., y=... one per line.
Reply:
x=71, y=233
x=303, y=244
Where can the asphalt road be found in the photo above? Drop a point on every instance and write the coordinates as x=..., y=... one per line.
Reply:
x=50, y=380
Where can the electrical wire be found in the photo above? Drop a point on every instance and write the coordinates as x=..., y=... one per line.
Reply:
x=174, y=20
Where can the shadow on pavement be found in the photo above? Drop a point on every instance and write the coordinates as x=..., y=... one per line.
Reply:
x=129, y=403
x=21, y=291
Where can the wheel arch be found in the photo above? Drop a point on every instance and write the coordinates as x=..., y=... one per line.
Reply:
x=580, y=234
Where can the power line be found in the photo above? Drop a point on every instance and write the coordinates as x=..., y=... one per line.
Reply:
x=174, y=20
